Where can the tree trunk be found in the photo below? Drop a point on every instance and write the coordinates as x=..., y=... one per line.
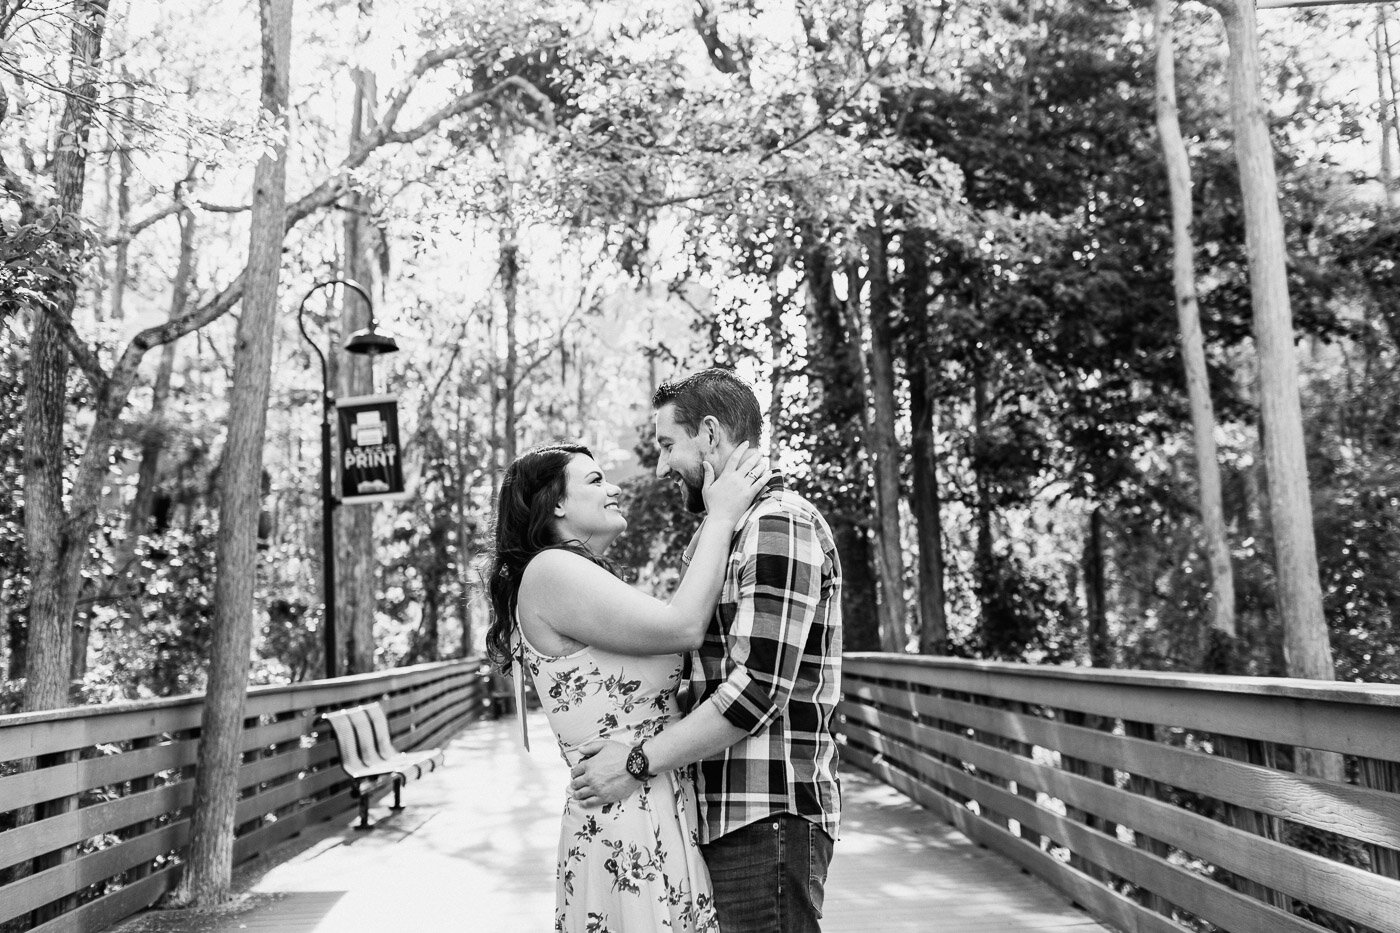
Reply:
x=52, y=550
x=154, y=438
x=465, y=527
x=16, y=637
x=777, y=346
x=986, y=575
x=426, y=644
x=859, y=587
x=1095, y=597
x=510, y=272
x=927, y=507
x=120, y=267
x=356, y=568
x=208, y=874
x=1307, y=651
x=834, y=370
x=1222, y=633
x=1385, y=89
x=495, y=468
x=883, y=444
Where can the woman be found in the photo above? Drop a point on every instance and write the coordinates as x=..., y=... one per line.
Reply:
x=606, y=662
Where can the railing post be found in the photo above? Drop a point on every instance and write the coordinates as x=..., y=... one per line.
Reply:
x=1098, y=773
x=1381, y=775
x=1256, y=753
x=51, y=808
x=1147, y=788
x=140, y=785
x=1026, y=751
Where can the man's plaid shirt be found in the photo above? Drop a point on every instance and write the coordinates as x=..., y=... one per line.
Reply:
x=771, y=664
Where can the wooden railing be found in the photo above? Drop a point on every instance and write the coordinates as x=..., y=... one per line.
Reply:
x=1158, y=802
x=95, y=802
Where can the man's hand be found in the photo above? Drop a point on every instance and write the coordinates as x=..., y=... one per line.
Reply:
x=601, y=777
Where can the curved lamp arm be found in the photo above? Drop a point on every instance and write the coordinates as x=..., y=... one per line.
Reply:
x=301, y=324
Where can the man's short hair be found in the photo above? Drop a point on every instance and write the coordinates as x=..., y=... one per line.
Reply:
x=716, y=393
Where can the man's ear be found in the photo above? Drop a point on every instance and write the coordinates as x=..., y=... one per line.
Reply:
x=712, y=431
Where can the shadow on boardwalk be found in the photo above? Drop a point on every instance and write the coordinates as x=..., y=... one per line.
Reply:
x=474, y=851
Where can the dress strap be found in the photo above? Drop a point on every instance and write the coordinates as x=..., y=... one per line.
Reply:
x=517, y=674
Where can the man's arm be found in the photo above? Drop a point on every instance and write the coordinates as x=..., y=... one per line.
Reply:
x=602, y=777
x=779, y=592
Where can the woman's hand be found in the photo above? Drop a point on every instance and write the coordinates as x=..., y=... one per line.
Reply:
x=729, y=493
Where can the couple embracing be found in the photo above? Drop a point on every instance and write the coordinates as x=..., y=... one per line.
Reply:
x=721, y=817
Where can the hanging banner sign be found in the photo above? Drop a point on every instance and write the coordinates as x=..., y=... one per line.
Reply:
x=371, y=465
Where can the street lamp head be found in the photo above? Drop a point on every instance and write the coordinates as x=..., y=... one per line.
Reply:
x=367, y=342
x=370, y=343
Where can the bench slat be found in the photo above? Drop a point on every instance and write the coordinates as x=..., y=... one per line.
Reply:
x=367, y=750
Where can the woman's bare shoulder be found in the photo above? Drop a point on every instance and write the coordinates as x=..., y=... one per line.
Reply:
x=539, y=605
x=556, y=562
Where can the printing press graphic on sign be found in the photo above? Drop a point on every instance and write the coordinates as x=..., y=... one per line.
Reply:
x=371, y=469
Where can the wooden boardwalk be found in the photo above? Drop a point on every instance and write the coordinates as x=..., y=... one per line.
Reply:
x=474, y=851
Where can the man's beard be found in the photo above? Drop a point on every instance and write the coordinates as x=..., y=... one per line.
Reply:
x=694, y=498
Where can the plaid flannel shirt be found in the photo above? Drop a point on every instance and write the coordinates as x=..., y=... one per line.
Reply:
x=771, y=665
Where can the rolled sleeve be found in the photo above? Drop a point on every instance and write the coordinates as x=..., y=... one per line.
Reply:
x=780, y=588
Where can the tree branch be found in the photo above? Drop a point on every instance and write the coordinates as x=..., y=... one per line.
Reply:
x=467, y=103
x=11, y=181
x=82, y=354
x=395, y=102
x=330, y=188
x=136, y=229
x=725, y=59
x=177, y=327
x=825, y=118
x=328, y=191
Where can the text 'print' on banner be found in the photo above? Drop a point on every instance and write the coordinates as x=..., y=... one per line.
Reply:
x=371, y=462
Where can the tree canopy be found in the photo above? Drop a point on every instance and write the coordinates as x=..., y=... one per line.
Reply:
x=937, y=238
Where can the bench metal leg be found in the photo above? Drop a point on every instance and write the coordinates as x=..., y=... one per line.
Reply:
x=398, y=786
x=364, y=813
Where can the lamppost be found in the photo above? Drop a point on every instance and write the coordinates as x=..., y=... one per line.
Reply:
x=365, y=342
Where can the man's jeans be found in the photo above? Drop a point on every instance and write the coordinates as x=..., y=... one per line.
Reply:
x=770, y=876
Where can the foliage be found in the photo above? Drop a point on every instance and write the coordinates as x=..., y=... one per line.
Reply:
x=156, y=644
x=658, y=525
x=13, y=563
x=669, y=214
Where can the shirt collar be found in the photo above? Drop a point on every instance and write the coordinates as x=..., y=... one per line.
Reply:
x=776, y=483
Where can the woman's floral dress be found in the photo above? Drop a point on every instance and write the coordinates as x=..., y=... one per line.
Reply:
x=632, y=866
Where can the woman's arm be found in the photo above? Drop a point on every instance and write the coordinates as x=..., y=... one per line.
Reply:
x=579, y=600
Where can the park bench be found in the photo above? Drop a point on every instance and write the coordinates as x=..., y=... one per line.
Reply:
x=368, y=755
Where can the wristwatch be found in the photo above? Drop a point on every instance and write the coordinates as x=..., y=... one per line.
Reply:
x=637, y=764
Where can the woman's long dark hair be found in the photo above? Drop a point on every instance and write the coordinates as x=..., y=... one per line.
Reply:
x=533, y=486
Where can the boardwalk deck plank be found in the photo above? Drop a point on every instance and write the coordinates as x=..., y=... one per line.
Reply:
x=474, y=851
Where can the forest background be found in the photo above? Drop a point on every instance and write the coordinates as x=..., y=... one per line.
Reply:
x=937, y=237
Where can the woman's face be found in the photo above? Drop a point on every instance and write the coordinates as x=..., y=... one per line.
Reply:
x=589, y=511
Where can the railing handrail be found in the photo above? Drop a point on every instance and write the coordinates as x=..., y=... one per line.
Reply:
x=1294, y=687
x=1143, y=794
x=122, y=707
x=95, y=799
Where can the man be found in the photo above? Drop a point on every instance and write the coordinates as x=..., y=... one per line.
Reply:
x=764, y=685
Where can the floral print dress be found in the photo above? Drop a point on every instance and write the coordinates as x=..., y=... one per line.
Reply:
x=632, y=866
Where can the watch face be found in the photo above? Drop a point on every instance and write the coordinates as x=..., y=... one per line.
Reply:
x=637, y=763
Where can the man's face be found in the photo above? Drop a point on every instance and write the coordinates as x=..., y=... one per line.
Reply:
x=681, y=456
